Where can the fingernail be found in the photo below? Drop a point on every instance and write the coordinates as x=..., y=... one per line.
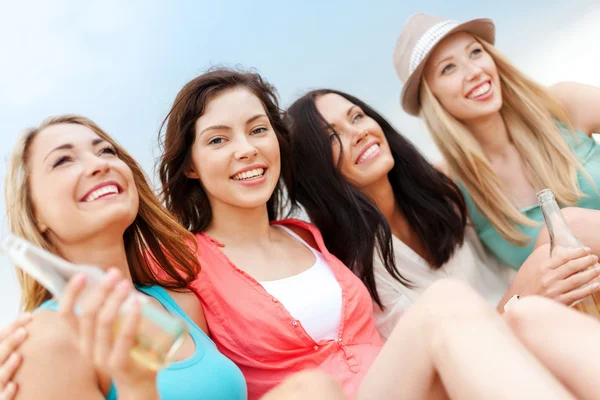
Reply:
x=14, y=357
x=25, y=317
x=123, y=285
x=112, y=274
x=597, y=267
x=79, y=278
x=588, y=249
x=20, y=333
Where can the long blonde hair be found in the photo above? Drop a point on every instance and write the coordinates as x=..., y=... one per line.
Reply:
x=531, y=116
x=154, y=239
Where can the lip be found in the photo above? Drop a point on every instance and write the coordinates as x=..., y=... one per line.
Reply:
x=478, y=86
x=250, y=168
x=101, y=185
x=365, y=149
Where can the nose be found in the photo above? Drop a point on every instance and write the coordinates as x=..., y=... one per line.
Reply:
x=245, y=150
x=359, y=135
x=473, y=71
x=96, y=165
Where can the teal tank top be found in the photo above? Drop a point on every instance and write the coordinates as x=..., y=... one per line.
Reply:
x=585, y=149
x=207, y=374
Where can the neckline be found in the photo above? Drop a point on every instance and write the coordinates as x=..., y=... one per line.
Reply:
x=214, y=246
x=194, y=331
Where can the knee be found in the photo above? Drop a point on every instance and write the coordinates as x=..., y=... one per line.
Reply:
x=529, y=310
x=449, y=294
x=449, y=301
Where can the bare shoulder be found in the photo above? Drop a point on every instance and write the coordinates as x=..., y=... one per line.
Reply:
x=580, y=103
x=52, y=365
x=305, y=234
x=190, y=304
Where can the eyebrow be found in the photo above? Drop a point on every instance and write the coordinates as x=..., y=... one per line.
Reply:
x=69, y=146
x=347, y=114
x=219, y=127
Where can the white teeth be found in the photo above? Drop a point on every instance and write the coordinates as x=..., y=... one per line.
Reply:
x=110, y=189
x=368, y=153
x=249, y=174
x=480, y=91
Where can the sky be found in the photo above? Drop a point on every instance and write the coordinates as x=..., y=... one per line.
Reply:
x=122, y=63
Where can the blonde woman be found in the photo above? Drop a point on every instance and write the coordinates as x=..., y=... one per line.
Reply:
x=503, y=136
x=74, y=191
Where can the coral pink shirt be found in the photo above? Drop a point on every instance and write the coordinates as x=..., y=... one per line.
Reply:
x=255, y=331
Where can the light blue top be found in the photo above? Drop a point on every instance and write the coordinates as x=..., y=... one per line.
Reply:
x=586, y=151
x=207, y=374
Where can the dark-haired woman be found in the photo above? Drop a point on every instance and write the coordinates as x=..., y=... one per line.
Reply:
x=395, y=220
x=277, y=301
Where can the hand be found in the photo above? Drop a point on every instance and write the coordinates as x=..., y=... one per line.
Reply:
x=568, y=276
x=11, y=338
x=98, y=338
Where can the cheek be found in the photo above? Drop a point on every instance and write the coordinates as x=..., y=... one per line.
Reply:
x=52, y=200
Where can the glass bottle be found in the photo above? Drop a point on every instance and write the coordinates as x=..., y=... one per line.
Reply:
x=159, y=334
x=561, y=236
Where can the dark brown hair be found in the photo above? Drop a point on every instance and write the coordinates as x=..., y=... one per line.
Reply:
x=186, y=197
x=352, y=226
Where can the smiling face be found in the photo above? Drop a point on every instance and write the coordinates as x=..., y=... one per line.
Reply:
x=79, y=187
x=366, y=156
x=464, y=78
x=235, y=154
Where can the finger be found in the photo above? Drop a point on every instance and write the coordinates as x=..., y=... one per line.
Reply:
x=126, y=337
x=8, y=369
x=580, y=293
x=21, y=320
x=562, y=255
x=579, y=279
x=71, y=294
x=89, y=310
x=105, y=324
x=10, y=344
x=10, y=392
x=575, y=266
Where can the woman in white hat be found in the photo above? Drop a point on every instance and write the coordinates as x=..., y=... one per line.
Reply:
x=503, y=136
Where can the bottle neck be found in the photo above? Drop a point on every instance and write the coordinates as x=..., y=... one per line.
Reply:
x=558, y=229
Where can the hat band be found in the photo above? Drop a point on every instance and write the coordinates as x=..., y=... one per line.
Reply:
x=426, y=42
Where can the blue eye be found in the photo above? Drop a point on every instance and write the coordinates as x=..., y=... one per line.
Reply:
x=216, y=140
x=476, y=52
x=447, y=68
x=357, y=117
x=258, y=130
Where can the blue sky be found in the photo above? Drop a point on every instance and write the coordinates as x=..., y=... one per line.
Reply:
x=121, y=63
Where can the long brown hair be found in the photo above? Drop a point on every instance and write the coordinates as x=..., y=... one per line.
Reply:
x=531, y=116
x=153, y=239
x=186, y=197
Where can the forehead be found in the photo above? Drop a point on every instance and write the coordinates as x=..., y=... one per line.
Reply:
x=450, y=45
x=333, y=107
x=56, y=135
x=231, y=106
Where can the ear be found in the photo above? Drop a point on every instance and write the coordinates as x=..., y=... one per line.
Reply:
x=191, y=173
x=42, y=228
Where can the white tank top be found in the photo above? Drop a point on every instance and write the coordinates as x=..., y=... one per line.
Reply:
x=313, y=297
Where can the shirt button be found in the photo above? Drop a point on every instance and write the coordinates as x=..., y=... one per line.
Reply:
x=316, y=347
x=275, y=300
x=339, y=340
x=295, y=323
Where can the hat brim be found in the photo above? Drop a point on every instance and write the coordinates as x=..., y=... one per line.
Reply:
x=409, y=97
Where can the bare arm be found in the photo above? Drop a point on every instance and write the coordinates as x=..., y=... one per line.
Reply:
x=582, y=104
x=53, y=367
